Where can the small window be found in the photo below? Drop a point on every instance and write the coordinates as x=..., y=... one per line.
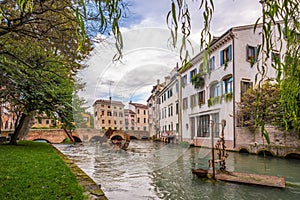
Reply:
x=193, y=99
x=251, y=54
x=227, y=85
x=102, y=112
x=245, y=85
x=185, y=103
x=184, y=81
x=176, y=108
x=214, y=90
x=109, y=121
x=225, y=55
x=103, y=121
x=193, y=73
x=145, y=120
x=275, y=57
x=138, y=120
x=144, y=112
x=201, y=98
x=108, y=113
x=211, y=63
x=47, y=121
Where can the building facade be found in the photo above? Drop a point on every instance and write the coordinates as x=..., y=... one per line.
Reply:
x=141, y=111
x=169, y=106
x=209, y=92
x=154, y=109
x=108, y=114
x=130, y=120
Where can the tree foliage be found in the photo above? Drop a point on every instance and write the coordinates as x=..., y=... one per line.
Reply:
x=43, y=44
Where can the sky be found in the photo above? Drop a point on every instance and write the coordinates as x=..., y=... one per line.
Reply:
x=147, y=54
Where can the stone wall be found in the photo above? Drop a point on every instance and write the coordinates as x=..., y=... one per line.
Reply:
x=278, y=138
x=52, y=135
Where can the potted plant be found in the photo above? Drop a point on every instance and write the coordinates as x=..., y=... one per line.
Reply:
x=198, y=81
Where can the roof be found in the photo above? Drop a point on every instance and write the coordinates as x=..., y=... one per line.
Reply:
x=139, y=105
x=129, y=111
x=110, y=102
x=214, y=41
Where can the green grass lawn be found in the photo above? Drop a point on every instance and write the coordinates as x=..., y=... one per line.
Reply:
x=33, y=170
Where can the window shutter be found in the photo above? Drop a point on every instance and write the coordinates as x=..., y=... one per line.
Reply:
x=229, y=53
x=213, y=63
x=221, y=57
x=255, y=54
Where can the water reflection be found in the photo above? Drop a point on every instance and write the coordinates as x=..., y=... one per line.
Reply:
x=157, y=171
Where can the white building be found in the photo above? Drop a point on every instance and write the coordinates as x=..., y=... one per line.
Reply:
x=168, y=105
x=153, y=109
x=227, y=74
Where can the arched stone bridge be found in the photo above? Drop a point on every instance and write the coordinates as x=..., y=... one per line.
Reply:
x=274, y=150
x=80, y=135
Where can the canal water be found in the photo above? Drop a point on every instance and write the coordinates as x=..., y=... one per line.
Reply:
x=154, y=170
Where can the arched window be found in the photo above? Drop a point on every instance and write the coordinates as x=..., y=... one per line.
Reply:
x=214, y=90
x=227, y=85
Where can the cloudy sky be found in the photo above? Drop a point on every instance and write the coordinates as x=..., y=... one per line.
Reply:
x=147, y=55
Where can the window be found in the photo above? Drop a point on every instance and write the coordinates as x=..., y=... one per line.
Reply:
x=108, y=113
x=176, y=108
x=193, y=73
x=144, y=120
x=47, y=121
x=145, y=128
x=215, y=118
x=115, y=114
x=227, y=85
x=115, y=122
x=214, y=90
x=138, y=111
x=115, y=107
x=184, y=81
x=170, y=110
x=211, y=63
x=203, y=126
x=176, y=87
x=109, y=121
x=245, y=85
x=138, y=120
x=225, y=55
x=275, y=57
x=201, y=98
x=108, y=106
x=185, y=103
x=121, y=122
x=103, y=121
x=165, y=98
x=120, y=114
x=144, y=112
x=132, y=128
x=251, y=54
x=193, y=99
x=126, y=122
x=102, y=112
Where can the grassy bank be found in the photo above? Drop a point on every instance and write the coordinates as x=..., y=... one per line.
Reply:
x=33, y=170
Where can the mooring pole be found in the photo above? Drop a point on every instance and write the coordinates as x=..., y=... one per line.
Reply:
x=212, y=148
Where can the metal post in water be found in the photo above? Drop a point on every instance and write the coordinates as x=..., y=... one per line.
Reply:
x=212, y=148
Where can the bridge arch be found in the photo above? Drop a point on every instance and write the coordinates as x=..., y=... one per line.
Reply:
x=266, y=152
x=243, y=150
x=293, y=155
x=41, y=140
x=76, y=138
x=132, y=137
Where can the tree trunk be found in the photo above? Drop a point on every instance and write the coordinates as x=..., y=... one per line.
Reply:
x=69, y=135
x=23, y=127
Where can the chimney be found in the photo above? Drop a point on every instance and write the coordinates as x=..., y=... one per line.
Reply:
x=158, y=81
x=167, y=79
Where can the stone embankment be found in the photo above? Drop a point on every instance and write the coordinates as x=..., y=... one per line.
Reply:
x=91, y=189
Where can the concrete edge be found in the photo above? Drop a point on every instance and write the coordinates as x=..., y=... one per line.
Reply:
x=91, y=189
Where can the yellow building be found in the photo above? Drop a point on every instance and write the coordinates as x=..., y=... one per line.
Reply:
x=108, y=114
x=141, y=111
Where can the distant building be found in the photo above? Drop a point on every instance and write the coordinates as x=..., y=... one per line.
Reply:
x=153, y=109
x=130, y=120
x=169, y=106
x=141, y=111
x=108, y=114
x=43, y=121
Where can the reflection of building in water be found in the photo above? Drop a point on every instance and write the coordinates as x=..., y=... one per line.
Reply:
x=108, y=114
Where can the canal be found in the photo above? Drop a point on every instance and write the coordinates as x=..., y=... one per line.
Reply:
x=154, y=170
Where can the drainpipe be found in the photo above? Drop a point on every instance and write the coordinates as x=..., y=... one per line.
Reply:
x=234, y=91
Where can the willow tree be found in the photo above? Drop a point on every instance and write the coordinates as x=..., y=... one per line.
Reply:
x=288, y=69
